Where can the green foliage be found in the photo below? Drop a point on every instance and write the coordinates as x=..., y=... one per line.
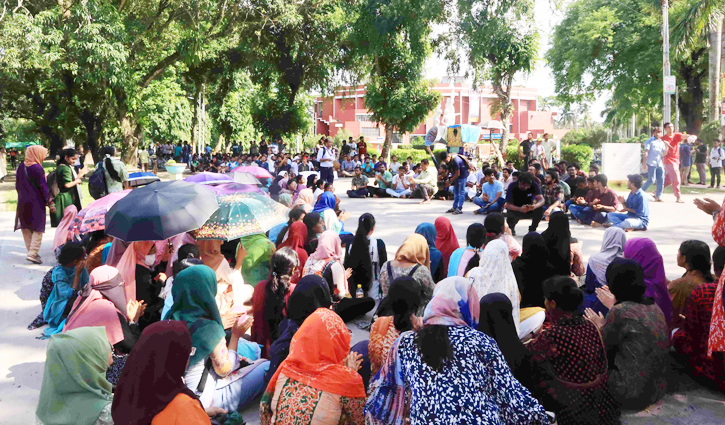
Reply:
x=165, y=112
x=581, y=154
x=500, y=39
x=416, y=154
x=594, y=137
x=17, y=131
x=392, y=40
x=512, y=154
x=275, y=116
x=639, y=139
x=604, y=45
x=710, y=132
x=341, y=137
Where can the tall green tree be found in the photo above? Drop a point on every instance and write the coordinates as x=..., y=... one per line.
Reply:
x=499, y=39
x=393, y=39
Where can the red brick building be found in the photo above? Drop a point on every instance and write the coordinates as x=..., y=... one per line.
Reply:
x=346, y=110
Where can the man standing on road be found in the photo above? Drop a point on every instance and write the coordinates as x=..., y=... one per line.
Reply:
x=525, y=148
x=458, y=169
x=672, y=160
x=654, y=151
x=701, y=161
x=524, y=200
x=326, y=158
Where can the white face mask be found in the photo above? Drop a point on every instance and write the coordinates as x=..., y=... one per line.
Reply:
x=150, y=259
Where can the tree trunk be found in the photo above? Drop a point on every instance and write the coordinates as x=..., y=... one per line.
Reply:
x=56, y=141
x=690, y=102
x=387, y=143
x=195, y=120
x=714, y=53
x=502, y=87
x=131, y=131
x=93, y=125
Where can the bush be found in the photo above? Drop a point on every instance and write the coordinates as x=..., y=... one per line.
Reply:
x=416, y=154
x=512, y=154
x=593, y=137
x=581, y=154
x=710, y=132
x=372, y=151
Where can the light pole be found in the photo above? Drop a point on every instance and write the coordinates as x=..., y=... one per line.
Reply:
x=667, y=113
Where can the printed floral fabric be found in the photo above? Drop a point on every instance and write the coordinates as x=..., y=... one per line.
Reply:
x=476, y=386
x=716, y=341
x=296, y=403
x=382, y=336
x=572, y=357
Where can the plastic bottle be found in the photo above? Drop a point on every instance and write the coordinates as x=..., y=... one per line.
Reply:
x=359, y=293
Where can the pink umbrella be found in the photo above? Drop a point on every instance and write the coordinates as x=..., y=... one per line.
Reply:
x=93, y=216
x=257, y=172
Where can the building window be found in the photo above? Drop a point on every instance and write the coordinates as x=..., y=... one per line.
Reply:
x=397, y=137
x=364, y=117
x=370, y=132
x=319, y=109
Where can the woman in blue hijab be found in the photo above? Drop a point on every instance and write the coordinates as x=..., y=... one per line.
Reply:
x=428, y=231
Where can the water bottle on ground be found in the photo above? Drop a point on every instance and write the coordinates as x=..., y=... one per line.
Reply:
x=359, y=293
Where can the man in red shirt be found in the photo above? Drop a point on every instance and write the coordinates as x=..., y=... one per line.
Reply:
x=362, y=147
x=672, y=159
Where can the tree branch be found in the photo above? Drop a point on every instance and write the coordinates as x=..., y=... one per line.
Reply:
x=159, y=68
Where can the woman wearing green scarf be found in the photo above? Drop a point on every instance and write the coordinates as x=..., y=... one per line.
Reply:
x=255, y=266
x=75, y=389
x=228, y=386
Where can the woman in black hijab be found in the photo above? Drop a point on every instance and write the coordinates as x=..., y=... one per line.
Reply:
x=558, y=243
x=496, y=320
x=532, y=268
x=312, y=292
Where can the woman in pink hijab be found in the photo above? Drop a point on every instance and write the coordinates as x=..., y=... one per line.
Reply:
x=62, y=232
x=103, y=303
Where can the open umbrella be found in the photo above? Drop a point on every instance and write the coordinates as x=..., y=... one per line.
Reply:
x=242, y=214
x=209, y=178
x=246, y=178
x=142, y=178
x=232, y=187
x=93, y=216
x=257, y=172
x=160, y=210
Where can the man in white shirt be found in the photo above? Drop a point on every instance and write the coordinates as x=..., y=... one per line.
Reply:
x=426, y=183
x=717, y=155
x=326, y=158
x=394, y=164
x=506, y=179
x=401, y=186
x=655, y=150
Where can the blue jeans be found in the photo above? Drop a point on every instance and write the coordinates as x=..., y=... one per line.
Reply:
x=242, y=391
x=459, y=190
x=494, y=207
x=653, y=173
x=626, y=221
x=586, y=214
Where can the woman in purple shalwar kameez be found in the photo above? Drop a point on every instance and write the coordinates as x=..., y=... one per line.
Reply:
x=645, y=252
x=33, y=197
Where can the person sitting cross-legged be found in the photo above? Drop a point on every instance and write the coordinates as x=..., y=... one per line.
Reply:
x=491, y=199
x=401, y=186
x=635, y=216
x=359, y=185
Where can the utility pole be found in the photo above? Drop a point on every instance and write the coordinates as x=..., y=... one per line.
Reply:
x=667, y=113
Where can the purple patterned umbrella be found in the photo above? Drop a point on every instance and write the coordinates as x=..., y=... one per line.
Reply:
x=209, y=178
x=231, y=187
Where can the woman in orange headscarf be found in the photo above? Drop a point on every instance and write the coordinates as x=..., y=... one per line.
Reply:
x=318, y=383
x=33, y=197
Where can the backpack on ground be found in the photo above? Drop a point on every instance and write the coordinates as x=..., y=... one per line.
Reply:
x=97, y=186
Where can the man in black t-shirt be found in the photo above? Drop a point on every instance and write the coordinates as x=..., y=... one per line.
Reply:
x=525, y=148
x=524, y=200
x=701, y=160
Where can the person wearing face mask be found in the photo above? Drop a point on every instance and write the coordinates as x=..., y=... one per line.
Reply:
x=142, y=281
